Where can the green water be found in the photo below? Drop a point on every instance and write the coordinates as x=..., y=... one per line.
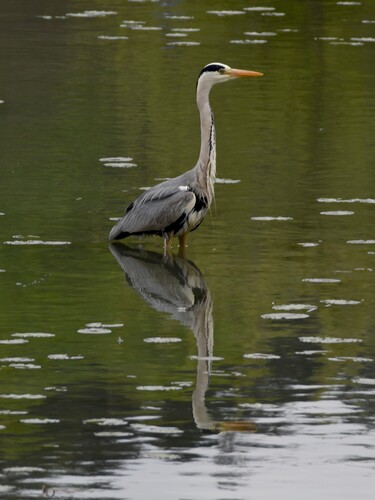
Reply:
x=247, y=367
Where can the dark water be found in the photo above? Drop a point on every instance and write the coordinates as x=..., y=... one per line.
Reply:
x=245, y=371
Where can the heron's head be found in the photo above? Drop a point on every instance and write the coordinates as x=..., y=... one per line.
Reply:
x=218, y=73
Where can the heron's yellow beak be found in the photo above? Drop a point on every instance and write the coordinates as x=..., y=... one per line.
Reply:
x=241, y=72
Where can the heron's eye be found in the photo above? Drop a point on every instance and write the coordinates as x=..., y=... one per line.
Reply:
x=221, y=71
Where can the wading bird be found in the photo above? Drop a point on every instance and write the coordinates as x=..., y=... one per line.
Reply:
x=177, y=206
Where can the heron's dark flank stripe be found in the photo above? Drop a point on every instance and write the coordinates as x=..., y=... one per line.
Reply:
x=201, y=203
x=176, y=225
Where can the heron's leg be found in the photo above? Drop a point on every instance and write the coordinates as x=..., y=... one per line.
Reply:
x=183, y=239
x=183, y=245
x=167, y=244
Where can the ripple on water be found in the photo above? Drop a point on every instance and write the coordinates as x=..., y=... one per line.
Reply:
x=40, y=421
x=337, y=212
x=181, y=43
x=162, y=340
x=120, y=165
x=94, y=331
x=144, y=417
x=259, y=9
x=24, y=366
x=347, y=200
x=113, y=434
x=311, y=352
x=56, y=389
x=342, y=42
x=22, y=396
x=112, y=37
x=273, y=14
x=308, y=244
x=17, y=360
x=115, y=159
x=22, y=470
x=64, y=357
x=158, y=388
x=271, y=218
x=13, y=341
x=142, y=27
x=261, y=33
x=328, y=340
x=285, y=316
x=13, y=412
x=221, y=13
x=128, y=23
x=364, y=381
x=186, y=30
x=37, y=242
x=155, y=429
x=96, y=328
x=363, y=39
x=354, y=359
x=178, y=18
x=294, y=307
x=106, y=421
x=226, y=181
x=37, y=335
x=261, y=355
x=92, y=13
x=340, y=302
x=176, y=35
x=361, y=242
x=321, y=280
x=248, y=42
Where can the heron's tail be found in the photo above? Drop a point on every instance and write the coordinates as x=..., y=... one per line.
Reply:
x=117, y=233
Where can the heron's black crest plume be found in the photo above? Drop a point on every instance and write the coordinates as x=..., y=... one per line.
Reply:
x=212, y=67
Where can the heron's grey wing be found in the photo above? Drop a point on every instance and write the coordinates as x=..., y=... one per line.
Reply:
x=165, y=189
x=154, y=213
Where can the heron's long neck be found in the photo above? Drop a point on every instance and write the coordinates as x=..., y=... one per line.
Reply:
x=206, y=164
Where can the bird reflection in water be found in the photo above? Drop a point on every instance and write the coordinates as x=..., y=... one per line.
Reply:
x=176, y=286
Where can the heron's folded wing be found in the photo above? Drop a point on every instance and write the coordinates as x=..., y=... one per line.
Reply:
x=161, y=191
x=156, y=212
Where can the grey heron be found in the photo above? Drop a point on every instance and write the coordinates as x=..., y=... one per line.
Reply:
x=177, y=206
